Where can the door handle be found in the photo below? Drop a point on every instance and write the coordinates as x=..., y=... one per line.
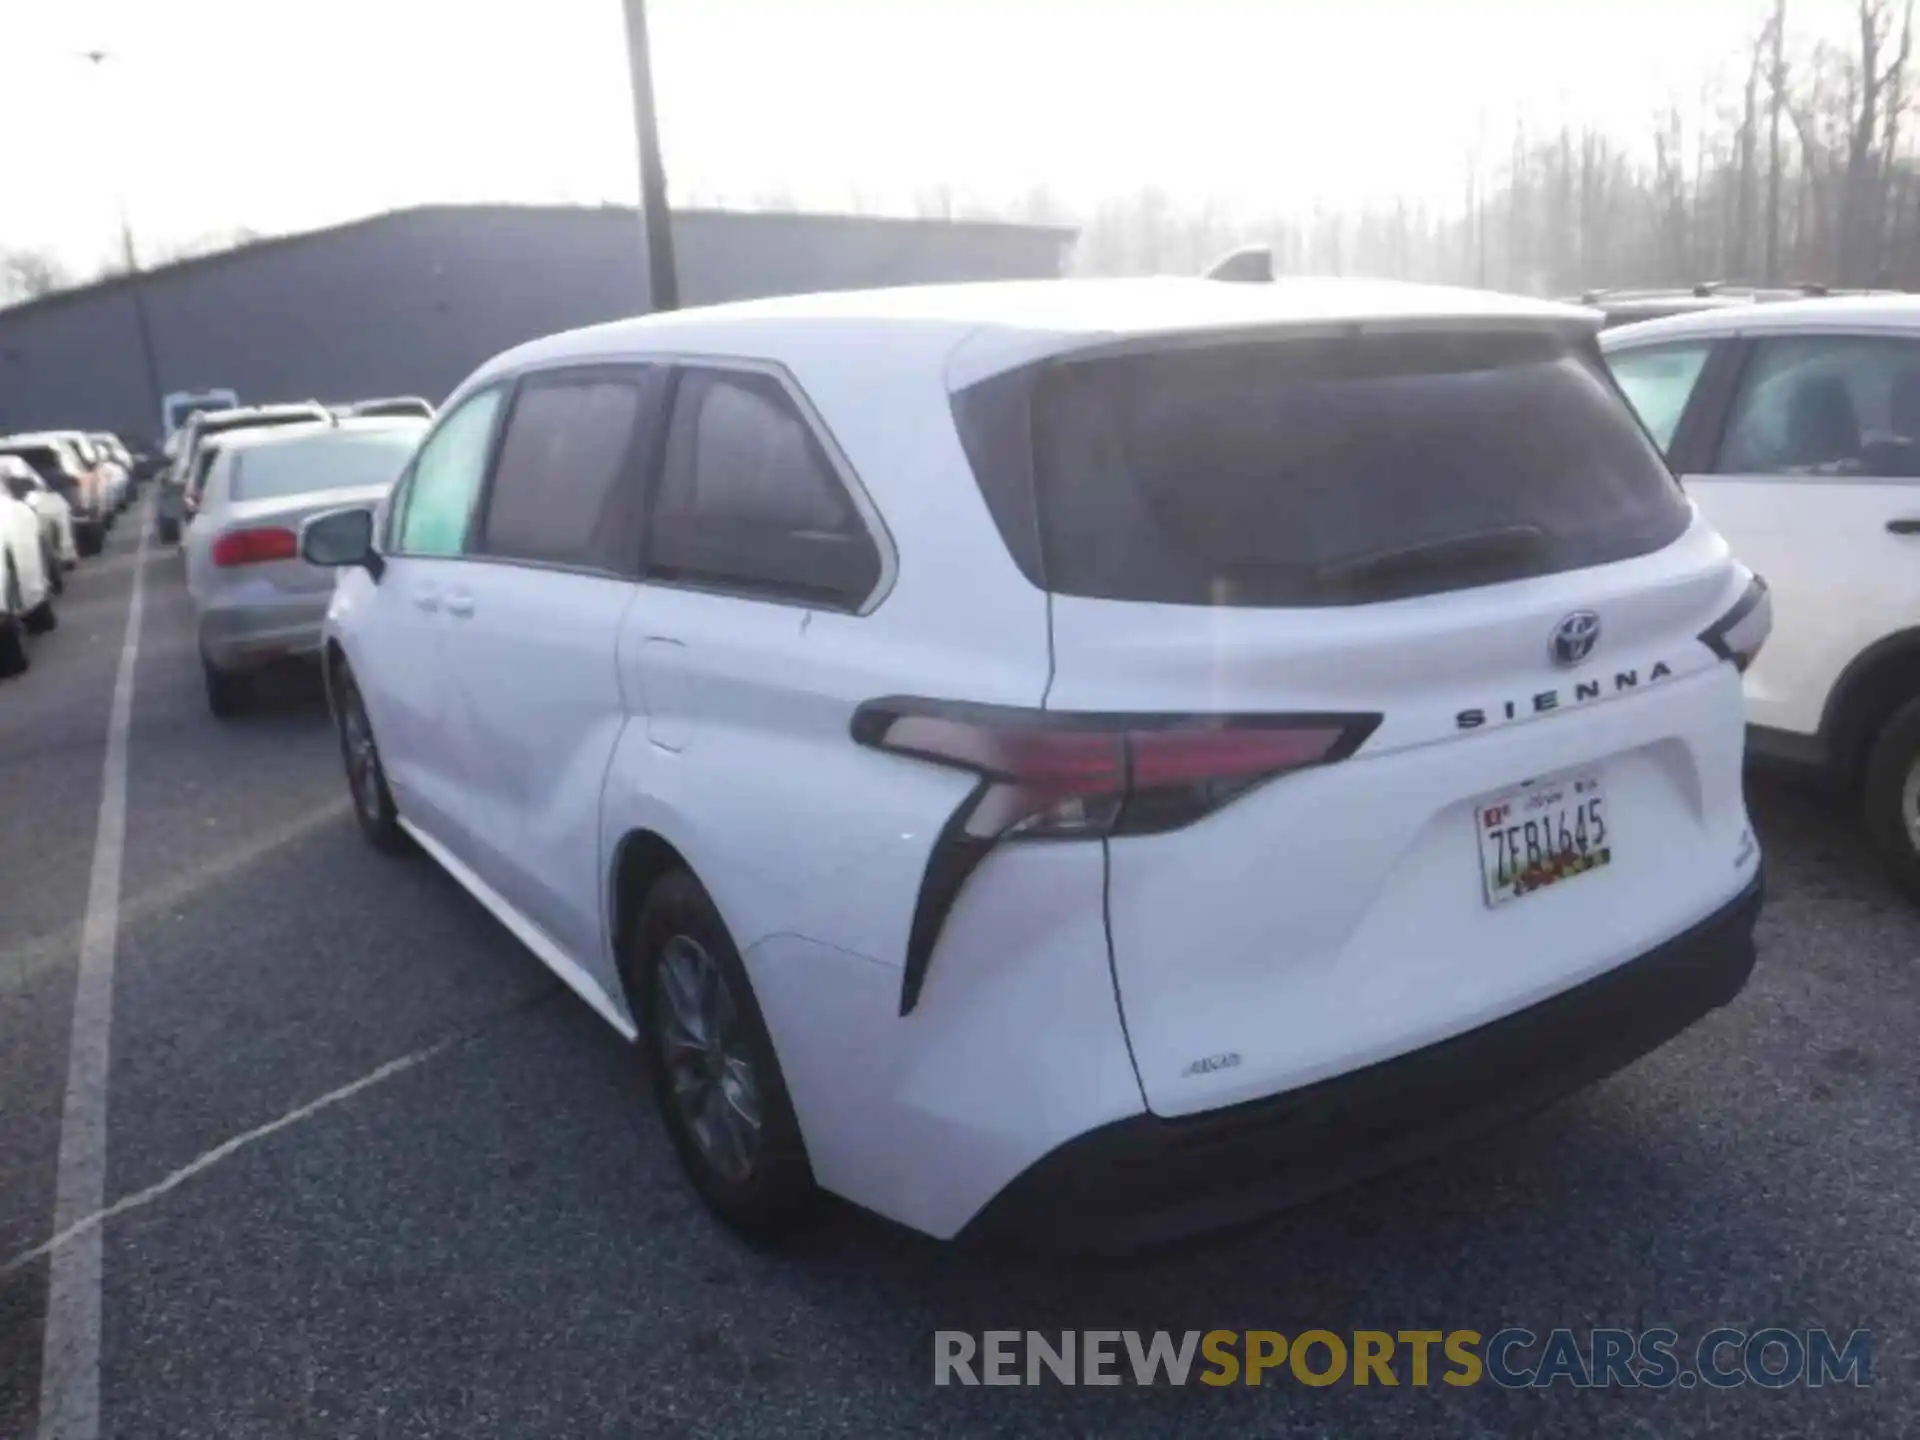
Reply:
x=427, y=600
x=460, y=604
x=1905, y=525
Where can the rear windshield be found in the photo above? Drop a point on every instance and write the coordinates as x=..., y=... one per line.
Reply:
x=44, y=459
x=327, y=462
x=1323, y=471
x=203, y=459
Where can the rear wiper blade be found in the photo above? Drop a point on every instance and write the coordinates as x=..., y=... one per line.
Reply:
x=1491, y=550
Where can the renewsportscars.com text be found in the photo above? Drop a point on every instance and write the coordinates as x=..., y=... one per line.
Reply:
x=1513, y=1357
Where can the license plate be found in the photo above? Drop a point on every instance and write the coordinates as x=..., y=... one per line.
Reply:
x=1541, y=835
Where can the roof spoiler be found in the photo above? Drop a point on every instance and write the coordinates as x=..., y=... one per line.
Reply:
x=1249, y=265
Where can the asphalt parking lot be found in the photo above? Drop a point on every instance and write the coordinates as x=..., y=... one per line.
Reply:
x=490, y=1237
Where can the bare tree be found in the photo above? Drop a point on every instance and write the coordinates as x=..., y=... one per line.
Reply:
x=1827, y=193
x=1887, y=182
x=1749, y=138
x=29, y=274
x=1776, y=38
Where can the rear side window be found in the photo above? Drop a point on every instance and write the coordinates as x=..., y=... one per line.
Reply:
x=567, y=483
x=1826, y=405
x=1658, y=381
x=750, y=502
x=217, y=480
x=202, y=465
x=1322, y=471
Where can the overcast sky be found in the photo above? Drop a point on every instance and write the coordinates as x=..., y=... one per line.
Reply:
x=276, y=115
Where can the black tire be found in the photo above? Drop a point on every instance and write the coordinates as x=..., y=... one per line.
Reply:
x=228, y=694
x=41, y=618
x=1890, y=794
x=13, y=633
x=169, y=531
x=373, y=803
x=763, y=1186
x=50, y=562
x=87, y=539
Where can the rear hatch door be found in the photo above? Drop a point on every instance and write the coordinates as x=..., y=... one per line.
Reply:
x=1454, y=559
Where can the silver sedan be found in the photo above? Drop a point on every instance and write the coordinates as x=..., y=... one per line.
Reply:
x=255, y=600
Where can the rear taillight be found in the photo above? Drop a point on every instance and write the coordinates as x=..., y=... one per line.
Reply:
x=254, y=547
x=1739, y=634
x=1049, y=775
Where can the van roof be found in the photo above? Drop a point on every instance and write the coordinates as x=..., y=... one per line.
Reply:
x=1001, y=324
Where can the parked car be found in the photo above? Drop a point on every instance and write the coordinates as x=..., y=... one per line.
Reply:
x=56, y=519
x=116, y=452
x=170, y=510
x=56, y=462
x=1088, y=759
x=392, y=405
x=1795, y=429
x=116, y=480
x=111, y=483
x=255, y=600
x=26, y=592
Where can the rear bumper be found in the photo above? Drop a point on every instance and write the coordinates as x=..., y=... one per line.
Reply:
x=1146, y=1180
x=244, y=637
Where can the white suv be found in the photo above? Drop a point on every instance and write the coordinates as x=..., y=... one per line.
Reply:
x=1089, y=760
x=1795, y=429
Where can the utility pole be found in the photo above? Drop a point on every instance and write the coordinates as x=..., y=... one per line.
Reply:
x=136, y=283
x=656, y=233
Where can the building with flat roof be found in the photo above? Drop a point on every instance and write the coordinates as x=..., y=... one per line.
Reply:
x=410, y=301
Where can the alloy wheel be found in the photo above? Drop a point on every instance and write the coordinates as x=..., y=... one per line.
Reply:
x=1910, y=803
x=713, y=1082
x=363, y=760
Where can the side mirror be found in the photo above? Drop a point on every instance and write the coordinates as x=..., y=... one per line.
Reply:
x=339, y=538
x=19, y=486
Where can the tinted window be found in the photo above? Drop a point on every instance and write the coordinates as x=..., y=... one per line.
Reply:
x=1659, y=381
x=337, y=460
x=567, y=483
x=1319, y=471
x=202, y=462
x=215, y=476
x=446, y=478
x=749, y=500
x=1826, y=405
x=45, y=461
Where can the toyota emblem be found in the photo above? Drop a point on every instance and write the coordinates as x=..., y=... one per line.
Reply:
x=1574, y=638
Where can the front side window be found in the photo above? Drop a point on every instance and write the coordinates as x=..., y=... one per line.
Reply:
x=1826, y=405
x=750, y=502
x=567, y=485
x=446, y=479
x=1658, y=381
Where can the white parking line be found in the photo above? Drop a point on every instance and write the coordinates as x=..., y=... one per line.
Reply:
x=70, y=1353
x=20, y=963
x=89, y=1225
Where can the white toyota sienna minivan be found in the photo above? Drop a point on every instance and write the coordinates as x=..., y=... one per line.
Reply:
x=1088, y=761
